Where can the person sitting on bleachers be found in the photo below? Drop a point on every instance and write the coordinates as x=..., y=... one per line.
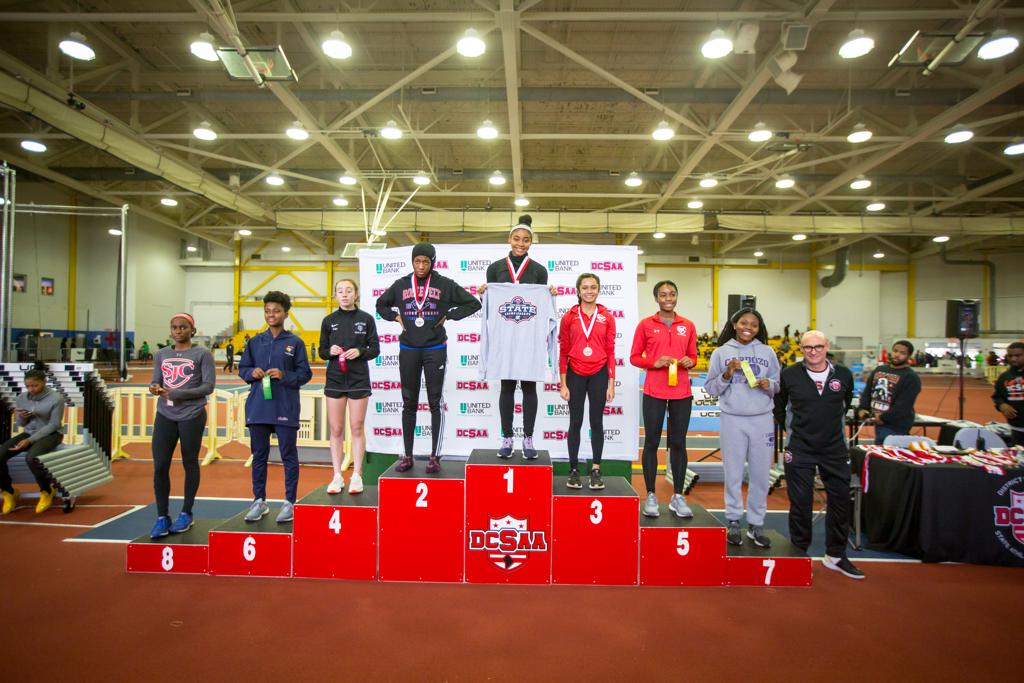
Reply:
x=40, y=412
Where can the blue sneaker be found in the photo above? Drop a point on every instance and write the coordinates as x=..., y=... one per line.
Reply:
x=182, y=524
x=161, y=528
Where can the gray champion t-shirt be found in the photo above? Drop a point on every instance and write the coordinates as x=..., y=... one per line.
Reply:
x=188, y=376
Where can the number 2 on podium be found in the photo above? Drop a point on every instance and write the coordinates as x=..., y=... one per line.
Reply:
x=421, y=489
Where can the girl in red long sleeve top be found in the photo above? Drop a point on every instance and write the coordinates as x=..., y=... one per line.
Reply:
x=586, y=364
x=665, y=346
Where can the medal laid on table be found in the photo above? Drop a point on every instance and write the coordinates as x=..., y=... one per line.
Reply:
x=416, y=300
x=516, y=274
x=587, y=351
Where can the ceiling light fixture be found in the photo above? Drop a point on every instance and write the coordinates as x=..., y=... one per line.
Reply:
x=999, y=45
x=487, y=131
x=347, y=180
x=471, y=44
x=391, y=131
x=297, y=131
x=497, y=179
x=761, y=133
x=717, y=45
x=860, y=183
x=799, y=237
x=76, y=47
x=758, y=254
x=202, y=47
x=286, y=249
x=663, y=132
x=339, y=201
x=694, y=204
x=33, y=146
x=1014, y=148
x=116, y=232
x=857, y=45
x=205, y=132
x=940, y=238
x=168, y=201
x=275, y=180
x=961, y=134
x=191, y=248
x=639, y=252
x=860, y=134
x=708, y=181
x=875, y=206
x=785, y=182
x=336, y=47
x=521, y=201
x=878, y=254
x=658, y=235
x=634, y=179
x=421, y=178
x=245, y=232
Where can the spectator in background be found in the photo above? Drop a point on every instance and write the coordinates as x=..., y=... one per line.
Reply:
x=229, y=351
x=979, y=359
x=144, y=353
x=889, y=395
x=1009, y=393
x=992, y=358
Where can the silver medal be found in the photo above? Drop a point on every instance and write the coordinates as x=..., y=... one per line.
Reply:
x=419, y=322
x=588, y=352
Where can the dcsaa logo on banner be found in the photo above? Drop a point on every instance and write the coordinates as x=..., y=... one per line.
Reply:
x=471, y=418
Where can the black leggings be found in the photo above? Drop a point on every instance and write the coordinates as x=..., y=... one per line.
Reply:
x=678, y=425
x=166, y=434
x=414, y=364
x=582, y=388
x=43, y=446
x=507, y=406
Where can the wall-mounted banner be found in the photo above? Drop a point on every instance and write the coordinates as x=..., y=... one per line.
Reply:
x=471, y=419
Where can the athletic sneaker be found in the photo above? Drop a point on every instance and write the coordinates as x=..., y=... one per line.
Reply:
x=257, y=510
x=678, y=505
x=651, y=506
x=161, y=528
x=355, y=484
x=336, y=485
x=434, y=464
x=596, y=482
x=757, y=535
x=182, y=524
x=529, y=452
x=45, y=500
x=843, y=566
x=734, y=535
x=404, y=464
x=505, y=450
x=574, y=480
x=287, y=512
x=10, y=502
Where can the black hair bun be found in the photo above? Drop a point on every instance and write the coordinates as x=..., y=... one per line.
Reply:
x=39, y=365
x=526, y=219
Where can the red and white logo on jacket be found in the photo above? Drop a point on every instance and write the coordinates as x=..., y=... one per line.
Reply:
x=177, y=372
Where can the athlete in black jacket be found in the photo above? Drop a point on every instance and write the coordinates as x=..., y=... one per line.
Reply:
x=1009, y=393
x=811, y=405
x=421, y=302
x=890, y=393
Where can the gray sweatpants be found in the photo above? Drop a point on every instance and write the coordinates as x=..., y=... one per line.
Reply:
x=747, y=440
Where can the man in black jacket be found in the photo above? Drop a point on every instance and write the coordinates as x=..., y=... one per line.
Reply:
x=1009, y=393
x=421, y=302
x=889, y=395
x=811, y=405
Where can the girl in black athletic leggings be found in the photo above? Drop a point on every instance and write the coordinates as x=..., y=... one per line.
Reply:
x=518, y=268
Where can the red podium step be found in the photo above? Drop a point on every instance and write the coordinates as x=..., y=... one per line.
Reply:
x=422, y=524
x=263, y=548
x=682, y=552
x=335, y=536
x=781, y=565
x=595, y=534
x=508, y=518
x=186, y=553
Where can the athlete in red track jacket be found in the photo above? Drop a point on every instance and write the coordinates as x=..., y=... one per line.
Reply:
x=665, y=345
x=586, y=364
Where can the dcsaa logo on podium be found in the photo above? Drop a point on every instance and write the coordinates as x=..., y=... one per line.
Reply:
x=508, y=542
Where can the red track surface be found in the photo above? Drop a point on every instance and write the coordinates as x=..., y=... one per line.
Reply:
x=71, y=609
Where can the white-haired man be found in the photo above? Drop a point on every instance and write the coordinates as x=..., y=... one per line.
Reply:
x=811, y=404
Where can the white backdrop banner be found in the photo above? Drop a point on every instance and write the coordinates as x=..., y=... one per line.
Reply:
x=471, y=419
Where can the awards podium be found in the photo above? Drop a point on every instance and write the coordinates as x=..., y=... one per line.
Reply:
x=486, y=520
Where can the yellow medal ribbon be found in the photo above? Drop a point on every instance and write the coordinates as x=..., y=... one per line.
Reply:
x=673, y=373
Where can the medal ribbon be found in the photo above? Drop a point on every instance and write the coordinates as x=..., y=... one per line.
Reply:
x=516, y=274
x=415, y=294
x=586, y=330
x=673, y=373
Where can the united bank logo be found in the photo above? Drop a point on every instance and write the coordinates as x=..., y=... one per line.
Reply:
x=563, y=266
x=473, y=266
x=469, y=361
x=558, y=409
x=1010, y=518
x=518, y=310
x=386, y=361
x=474, y=408
x=390, y=267
x=508, y=541
x=423, y=431
x=388, y=407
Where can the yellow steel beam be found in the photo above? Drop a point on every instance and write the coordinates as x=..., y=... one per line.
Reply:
x=72, y=264
x=813, y=287
x=714, y=297
x=236, y=313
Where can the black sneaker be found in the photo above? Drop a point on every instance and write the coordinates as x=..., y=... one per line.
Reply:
x=734, y=535
x=843, y=566
x=757, y=535
x=574, y=480
x=596, y=482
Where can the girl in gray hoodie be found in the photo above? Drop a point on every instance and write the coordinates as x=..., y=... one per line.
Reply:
x=747, y=428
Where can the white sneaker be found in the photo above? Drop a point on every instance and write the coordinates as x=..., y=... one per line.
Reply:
x=355, y=484
x=336, y=485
